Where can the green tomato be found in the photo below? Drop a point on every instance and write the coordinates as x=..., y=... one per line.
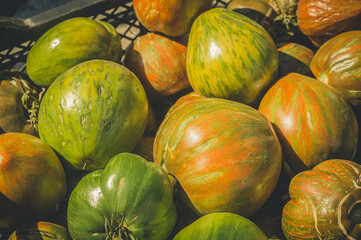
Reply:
x=92, y=112
x=130, y=199
x=69, y=43
x=225, y=226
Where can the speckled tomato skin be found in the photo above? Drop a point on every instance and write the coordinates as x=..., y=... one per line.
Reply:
x=313, y=120
x=69, y=43
x=234, y=58
x=224, y=154
x=321, y=201
x=92, y=112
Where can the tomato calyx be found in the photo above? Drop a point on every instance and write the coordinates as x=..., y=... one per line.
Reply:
x=116, y=228
x=33, y=107
x=354, y=214
x=30, y=99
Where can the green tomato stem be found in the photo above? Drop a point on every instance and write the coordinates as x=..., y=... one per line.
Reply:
x=117, y=229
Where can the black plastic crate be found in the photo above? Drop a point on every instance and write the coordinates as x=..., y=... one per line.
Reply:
x=18, y=35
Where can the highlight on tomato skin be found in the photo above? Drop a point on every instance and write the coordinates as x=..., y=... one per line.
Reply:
x=235, y=58
x=69, y=43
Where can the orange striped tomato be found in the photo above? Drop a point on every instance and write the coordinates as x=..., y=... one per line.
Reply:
x=159, y=63
x=323, y=19
x=338, y=63
x=314, y=121
x=325, y=202
x=230, y=56
x=171, y=17
x=32, y=180
x=295, y=58
x=224, y=154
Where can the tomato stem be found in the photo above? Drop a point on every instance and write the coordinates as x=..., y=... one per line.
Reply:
x=84, y=166
x=31, y=99
x=116, y=228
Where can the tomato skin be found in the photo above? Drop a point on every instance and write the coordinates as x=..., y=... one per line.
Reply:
x=32, y=179
x=234, y=58
x=337, y=62
x=323, y=19
x=171, y=17
x=159, y=63
x=225, y=226
x=323, y=202
x=295, y=58
x=69, y=43
x=313, y=121
x=40, y=230
x=224, y=154
x=92, y=112
x=130, y=193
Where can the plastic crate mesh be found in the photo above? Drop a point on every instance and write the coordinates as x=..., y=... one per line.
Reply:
x=122, y=18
